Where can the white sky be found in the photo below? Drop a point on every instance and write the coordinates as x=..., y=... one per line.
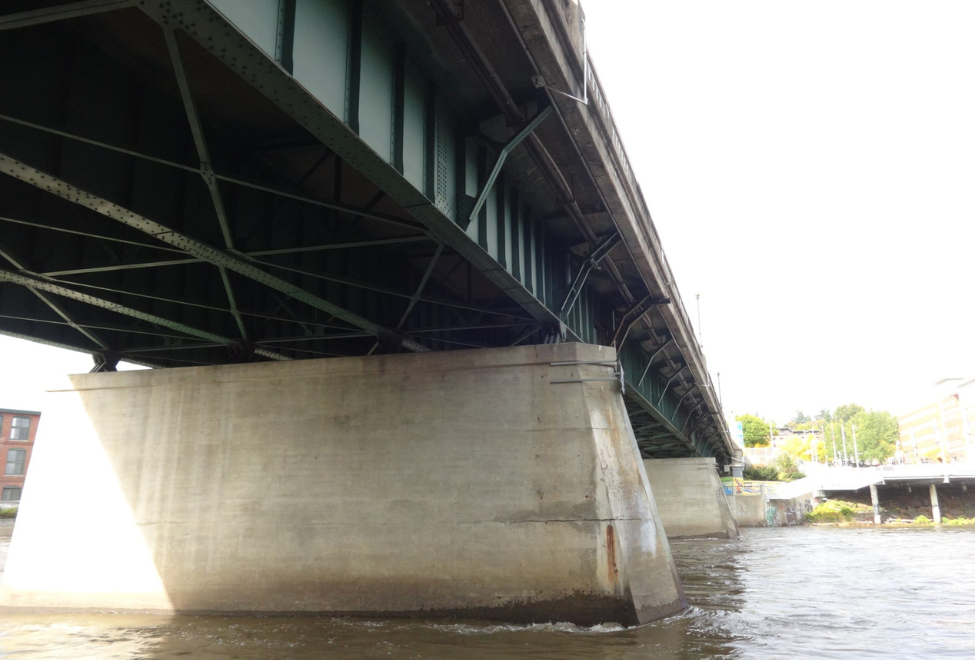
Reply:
x=810, y=168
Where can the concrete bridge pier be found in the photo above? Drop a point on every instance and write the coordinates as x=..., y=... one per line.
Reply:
x=935, y=507
x=690, y=498
x=875, y=500
x=497, y=483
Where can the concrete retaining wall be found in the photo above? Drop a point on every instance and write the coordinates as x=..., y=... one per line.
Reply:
x=749, y=510
x=690, y=498
x=461, y=483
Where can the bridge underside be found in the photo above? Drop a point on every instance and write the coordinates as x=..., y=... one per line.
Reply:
x=175, y=193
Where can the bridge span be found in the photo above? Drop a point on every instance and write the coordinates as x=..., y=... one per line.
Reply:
x=193, y=183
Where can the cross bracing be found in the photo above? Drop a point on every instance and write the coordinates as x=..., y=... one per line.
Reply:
x=189, y=182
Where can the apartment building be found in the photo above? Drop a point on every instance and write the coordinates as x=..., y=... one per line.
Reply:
x=17, y=431
x=940, y=430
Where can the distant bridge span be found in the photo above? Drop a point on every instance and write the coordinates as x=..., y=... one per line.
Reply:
x=194, y=183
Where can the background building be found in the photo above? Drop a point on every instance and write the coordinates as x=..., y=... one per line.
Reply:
x=17, y=431
x=941, y=430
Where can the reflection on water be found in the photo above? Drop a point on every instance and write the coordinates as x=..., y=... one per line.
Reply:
x=775, y=593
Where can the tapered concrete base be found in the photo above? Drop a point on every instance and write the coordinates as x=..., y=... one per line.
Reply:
x=690, y=498
x=467, y=483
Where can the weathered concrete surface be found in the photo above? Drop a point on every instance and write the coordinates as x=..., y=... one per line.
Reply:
x=749, y=510
x=690, y=498
x=458, y=483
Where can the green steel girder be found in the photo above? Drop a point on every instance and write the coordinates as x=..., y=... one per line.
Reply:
x=360, y=89
x=215, y=33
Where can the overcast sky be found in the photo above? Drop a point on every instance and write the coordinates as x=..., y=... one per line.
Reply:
x=810, y=169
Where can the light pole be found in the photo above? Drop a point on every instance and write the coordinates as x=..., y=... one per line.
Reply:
x=856, y=453
x=700, y=332
x=846, y=457
x=832, y=432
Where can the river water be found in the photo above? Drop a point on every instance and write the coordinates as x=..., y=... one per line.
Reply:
x=800, y=592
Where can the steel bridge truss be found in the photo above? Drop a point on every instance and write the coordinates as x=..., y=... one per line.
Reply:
x=181, y=186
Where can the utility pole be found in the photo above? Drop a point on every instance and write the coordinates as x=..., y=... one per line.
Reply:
x=719, y=390
x=846, y=457
x=832, y=432
x=856, y=454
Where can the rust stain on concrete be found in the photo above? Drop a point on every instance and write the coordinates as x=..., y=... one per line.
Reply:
x=611, y=554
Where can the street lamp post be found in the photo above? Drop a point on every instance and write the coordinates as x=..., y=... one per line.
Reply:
x=846, y=457
x=832, y=432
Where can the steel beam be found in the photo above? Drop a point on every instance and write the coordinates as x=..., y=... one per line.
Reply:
x=214, y=33
x=16, y=263
x=421, y=286
x=505, y=151
x=70, y=347
x=236, y=180
x=90, y=235
x=206, y=169
x=33, y=282
x=655, y=354
x=65, y=190
x=256, y=253
x=591, y=262
x=386, y=290
x=60, y=12
x=667, y=386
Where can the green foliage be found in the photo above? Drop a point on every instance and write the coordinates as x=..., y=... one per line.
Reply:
x=8, y=513
x=786, y=462
x=833, y=511
x=755, y=430
x=923, y=520
x=761, y=473
x=848, y=412
x=960, y=521
x=771, y=473
x=800, y=418
x=876, y=433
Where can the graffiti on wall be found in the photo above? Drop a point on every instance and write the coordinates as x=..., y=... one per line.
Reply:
x=733, y=485
x=787, y=515
x=736, y=486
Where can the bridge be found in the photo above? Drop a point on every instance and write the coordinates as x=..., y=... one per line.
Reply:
x=190, y=183
x=834, y=481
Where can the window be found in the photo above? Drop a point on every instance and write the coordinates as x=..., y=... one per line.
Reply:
x=10, y=494
x=15, y=461
x=20, y=429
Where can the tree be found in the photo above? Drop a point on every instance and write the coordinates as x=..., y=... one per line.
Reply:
x=824, y=415
x=848, y=412
x=800, y=418
x=755, y=430
x=877, y=434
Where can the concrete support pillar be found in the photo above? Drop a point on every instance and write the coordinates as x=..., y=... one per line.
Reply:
x=503, y=484
x=690, y=498
x=875, y=500
x=935, y=508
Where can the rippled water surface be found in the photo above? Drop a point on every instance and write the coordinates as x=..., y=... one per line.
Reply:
x=775, y=593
